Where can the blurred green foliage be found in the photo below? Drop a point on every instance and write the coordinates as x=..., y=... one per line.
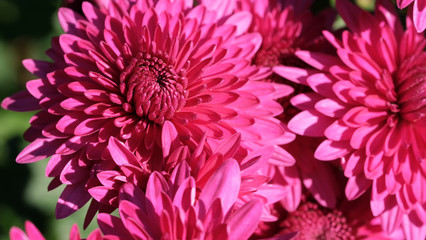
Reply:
x=26, y=27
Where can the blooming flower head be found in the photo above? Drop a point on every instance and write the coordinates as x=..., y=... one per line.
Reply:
x=203, y=163
x=32, y=233
x=348, y=220
x=419, y=12
x=370, y=105
x=152, y=74
x=287, y=26
x=175, y=209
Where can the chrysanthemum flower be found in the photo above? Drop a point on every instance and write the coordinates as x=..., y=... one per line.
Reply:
x=203, y=162
x=175, y=209
x=370, y=105
x=419, y=12
x=348, y=220
x=151, y=74
x=32, y=233
x=287, y=26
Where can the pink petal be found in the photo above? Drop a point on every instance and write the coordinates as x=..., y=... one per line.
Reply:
x=242, y=20
x=17, y=234
x=338, y=131
x=331, y=150
x=221, y=8
x=156, y=184
x=111, y=225
x=32, y=231
x=297, y=75
x=318, y=60
x=21, y=102
x=223, y=184
x=322, y=183
x=185, y=195
x=243, y=222
x=305, y=101
x=120, y=154
x=330, y=107
x=391, y=218
x=169, y=137
x=229, y=146
x=75, y=233
x=72, y=198
x=37, y=67
x=41, y=148
x=309, y=123
x=356, y=186
x=419, y=15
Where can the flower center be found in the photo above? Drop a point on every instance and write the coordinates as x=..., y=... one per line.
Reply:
x=411, y=88
x=153, y=88
x=314, y=223
x=281, y=53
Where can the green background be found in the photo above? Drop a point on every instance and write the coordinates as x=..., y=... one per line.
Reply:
x=26, y=28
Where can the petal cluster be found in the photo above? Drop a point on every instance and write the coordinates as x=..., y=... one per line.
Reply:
x=370, y=106
x=154, y=75
x=32, y=233
x=233, y=119
x=176, y=209
x=419, y=12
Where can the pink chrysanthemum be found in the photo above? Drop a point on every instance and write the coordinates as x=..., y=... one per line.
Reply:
x=152, y=74
x=348, y=220
x=203, y=162
x=287, y=26
x=371, y=105
x=419, y=12
x=32, y=233
x=176, y=209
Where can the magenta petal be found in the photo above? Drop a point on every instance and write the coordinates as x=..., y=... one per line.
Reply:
x=16, y=233
x=21, y=102
x=229, y=146
x=41, y=148
x=32, y=231
x=75, y=233
x=241, y=20
x=331, y=150
x=120, y=154
x=185, y=195
x=391, y=218
x=37, y=67
x=111, y=225
x=419, y=15
x=356, y=186
x=155, y=186
x=243, y=222
x=169, y=136
x=309, y=123
x=221, y=8
x=72, y=198
x=322, y=183
x=223, y=184
x=297, y=75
